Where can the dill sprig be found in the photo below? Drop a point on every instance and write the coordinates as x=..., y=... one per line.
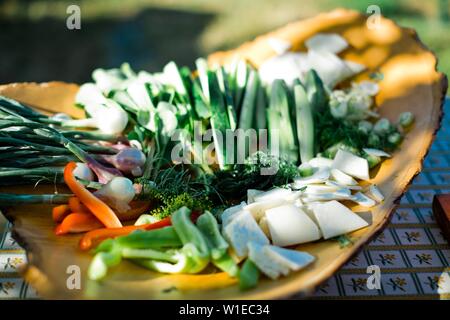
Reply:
x=233, y=184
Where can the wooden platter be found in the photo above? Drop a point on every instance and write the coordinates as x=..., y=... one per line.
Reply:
x=410, y=83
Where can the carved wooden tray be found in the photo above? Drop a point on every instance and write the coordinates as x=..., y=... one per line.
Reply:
x=410, y=83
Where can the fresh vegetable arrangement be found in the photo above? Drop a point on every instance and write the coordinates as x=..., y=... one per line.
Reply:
x=154, y=181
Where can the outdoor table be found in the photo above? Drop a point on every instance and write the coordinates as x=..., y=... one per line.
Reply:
x=412, y=254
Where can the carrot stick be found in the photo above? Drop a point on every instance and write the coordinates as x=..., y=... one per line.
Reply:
x=94, y=204
x=76, y=206
x=93, y=238
x=78, y=222
x=60, y=212
x=136, y=209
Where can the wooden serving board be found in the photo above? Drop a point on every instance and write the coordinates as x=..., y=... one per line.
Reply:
x=410, y=83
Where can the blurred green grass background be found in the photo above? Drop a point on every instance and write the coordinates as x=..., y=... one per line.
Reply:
x=147, y=33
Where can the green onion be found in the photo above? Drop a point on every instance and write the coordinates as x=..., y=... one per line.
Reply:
x=247, y=111
x=305, y=124
x=7, y=199
x=219, y=119
x=279, y=120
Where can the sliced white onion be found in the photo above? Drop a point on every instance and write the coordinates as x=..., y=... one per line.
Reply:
x=352, y=165
x=320, y=189
x=288, y=66
x=342, y=178
x=368, y=87
x=342, y=194
x=336, y=184
x=376, y=152
x=363, y=200
x=229, y=213
x=273, y=194
x=320, y=176
x=375, y=193
x=242, y=230
x=320, y=162
x=354, y=67
x=263, y=224
x=258, y=209
x=330, y=67
x=289, y=225
x=251, y=193
x=278, y=45
x=329, y=42
x=336, y=219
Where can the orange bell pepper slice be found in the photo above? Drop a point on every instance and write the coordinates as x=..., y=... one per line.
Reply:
x=78, y=222
x=103, y=213
x=60, y=212
x=75, y=205
x=93, y=238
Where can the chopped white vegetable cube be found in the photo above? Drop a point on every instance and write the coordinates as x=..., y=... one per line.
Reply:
x=366, y=216
x=263, y=224
x=363, y=200
x=336, y=184
x=308, y=208
x=265, y=263
x=320, y=188
x=293, y=259
x=336, y=219
x=341, y=194
x=376, y=152
x=354, y=67
x=330, y=68
x=288, y=66
x=258, y=209
x=289, y=225
x=229, y=213
x=320, y=162
x=242, y=230
x=352, y=165
x=278, y=45
x=375, y=193
x=329, y=42
x=251, y=193
x=320, y=176
x=273, y=194
x=342, y=178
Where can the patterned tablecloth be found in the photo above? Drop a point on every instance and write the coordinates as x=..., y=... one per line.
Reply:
x=411, y=252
